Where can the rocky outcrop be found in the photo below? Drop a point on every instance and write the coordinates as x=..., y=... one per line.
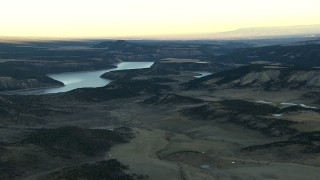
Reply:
x=171, y=99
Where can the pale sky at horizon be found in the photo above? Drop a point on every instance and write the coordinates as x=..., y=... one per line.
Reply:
x=123, y=18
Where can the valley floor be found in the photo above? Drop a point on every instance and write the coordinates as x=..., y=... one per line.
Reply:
x=230, y=133
x=169, y=145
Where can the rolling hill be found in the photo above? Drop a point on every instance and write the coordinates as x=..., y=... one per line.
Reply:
x=260, y=76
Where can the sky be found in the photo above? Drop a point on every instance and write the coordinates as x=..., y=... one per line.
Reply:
x=145, y=18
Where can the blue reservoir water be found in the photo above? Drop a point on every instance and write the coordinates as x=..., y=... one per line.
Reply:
x=82, y=79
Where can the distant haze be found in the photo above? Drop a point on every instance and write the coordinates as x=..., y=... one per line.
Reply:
x=165, y=19
x=265, y=32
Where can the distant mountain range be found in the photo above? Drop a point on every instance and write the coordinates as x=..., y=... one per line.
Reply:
x=270, y=32
x=300, y=31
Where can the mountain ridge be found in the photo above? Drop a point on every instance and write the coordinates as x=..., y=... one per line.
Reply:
x=273, y=31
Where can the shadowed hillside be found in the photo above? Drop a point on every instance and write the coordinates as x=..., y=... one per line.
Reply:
x=118, y=89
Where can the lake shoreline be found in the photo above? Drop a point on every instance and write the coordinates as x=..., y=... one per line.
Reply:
x=79, y=79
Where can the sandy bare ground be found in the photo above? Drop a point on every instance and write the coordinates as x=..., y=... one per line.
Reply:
x=304, y=116
x=140, y=155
